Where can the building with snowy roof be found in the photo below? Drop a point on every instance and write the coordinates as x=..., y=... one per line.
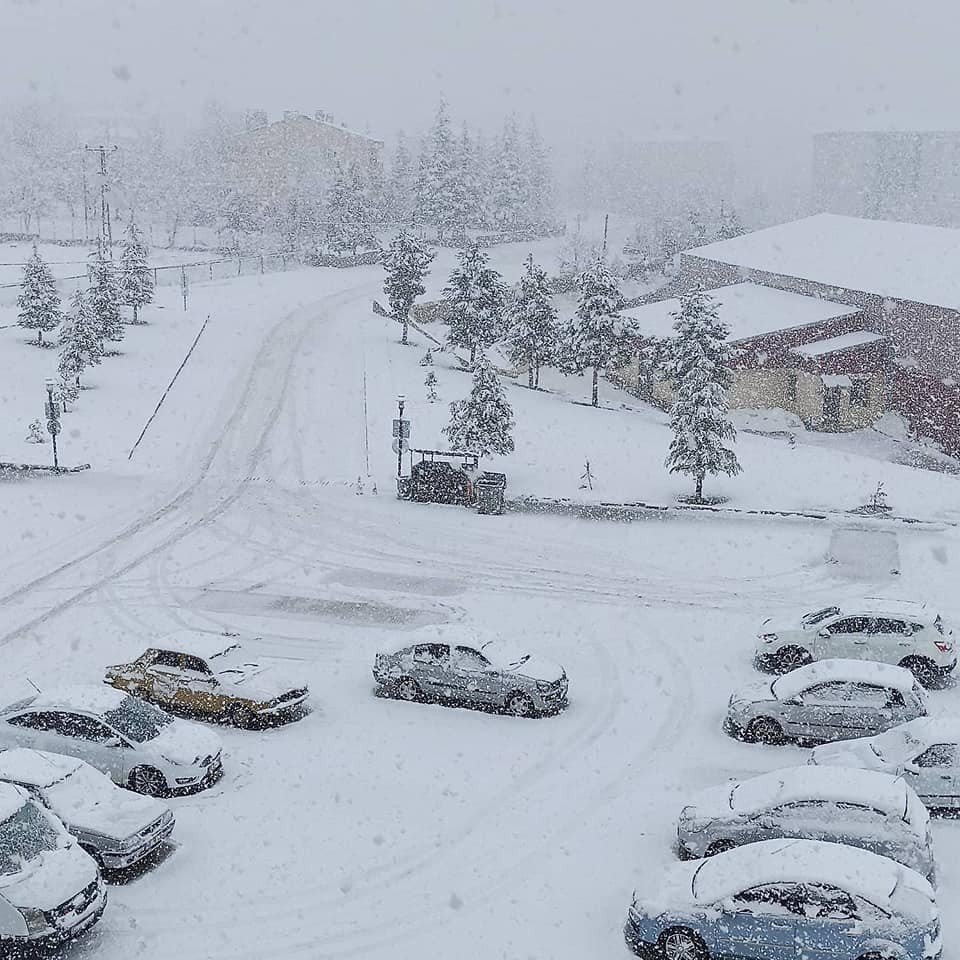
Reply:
x=902, y=278
x=813, y=357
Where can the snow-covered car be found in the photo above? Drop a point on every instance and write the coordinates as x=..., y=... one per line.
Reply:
x=493, y=674
x=861, y=808
x=116, y=827
x=209, y=675
x=902, y=632
x=50, y=889
x=782, y=899
x=826, y=700
x=135, y=743
x=925, y=752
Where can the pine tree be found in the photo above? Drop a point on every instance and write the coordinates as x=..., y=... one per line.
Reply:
x=698, y=363
x=597, y=338
x=730, y=225
x=427, y=359
x=476, y=294
x=346, y=225
x=38, y=300
x=539, y=184
x=136, y=277
x=483, y=422
x=533, y=323
x=401, y=186
x=104, y=295
x=406, y=263
x=509, y=185
x=81, y=339
x=436, y=184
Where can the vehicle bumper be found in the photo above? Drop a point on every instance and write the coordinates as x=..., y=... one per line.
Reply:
x=199, y=781
x=552, y=702
x=119, y=860
x=637, y=945
x=65, y=932
x=766, y=660
x=285, y=710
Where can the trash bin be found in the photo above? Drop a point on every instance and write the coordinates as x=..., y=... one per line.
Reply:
x=404, y=488
x=490, y=489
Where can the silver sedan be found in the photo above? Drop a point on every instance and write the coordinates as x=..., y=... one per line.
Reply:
x=492, y=674
x=826, y=700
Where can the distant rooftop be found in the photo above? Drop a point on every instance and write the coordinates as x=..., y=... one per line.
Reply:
x=846, y=341
x=748, y=309
x=905, y=261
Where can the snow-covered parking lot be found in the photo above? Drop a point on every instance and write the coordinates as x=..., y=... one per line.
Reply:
x=375, y=828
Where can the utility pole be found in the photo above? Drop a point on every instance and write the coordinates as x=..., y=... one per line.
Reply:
x=106, y=235
x=86, y=202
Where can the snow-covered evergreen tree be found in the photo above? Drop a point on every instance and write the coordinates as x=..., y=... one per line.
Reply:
x=436, y=184
x=81, y=339
x=427, y=359
x=509, y=187
x=346, y=224
x=597, y=338
x=482, y=423
x=38, y=301
x=401, y=185
x=406, y=262
x=533, y=323
x=699, y=365
x=104, y=295
x=468, y=191
x=730, y=225
x=538, y=179
x=136, y=277
x=476, y=293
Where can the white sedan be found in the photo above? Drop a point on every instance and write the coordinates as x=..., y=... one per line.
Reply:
x=925, y=752
x=133, y=742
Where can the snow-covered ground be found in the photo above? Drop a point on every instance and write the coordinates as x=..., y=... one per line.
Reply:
x=380, y=829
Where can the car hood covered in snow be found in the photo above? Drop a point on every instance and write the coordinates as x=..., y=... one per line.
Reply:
x=757, y=691
x=185, y=742
x=50, y=879
x=537, y=668
x=253, y=681
x=849, y=753
x=111, y=812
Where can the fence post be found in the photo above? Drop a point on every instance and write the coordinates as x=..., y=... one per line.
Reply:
x=239, y=262
x=154, y=276
x=210, y=265
x=261, y=263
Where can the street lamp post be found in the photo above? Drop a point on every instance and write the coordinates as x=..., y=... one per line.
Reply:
x=53, y=419
x=400, y=401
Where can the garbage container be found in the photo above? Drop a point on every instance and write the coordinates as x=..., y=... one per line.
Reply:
x=490, y=489
x=404, y=488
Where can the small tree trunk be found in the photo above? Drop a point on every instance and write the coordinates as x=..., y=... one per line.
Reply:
x=39, y=336
x=530, y=375
x=537, y=383
x=473, y=355
x=406, y=323
x=134, y=313
x=596, y=388
x=699, y=486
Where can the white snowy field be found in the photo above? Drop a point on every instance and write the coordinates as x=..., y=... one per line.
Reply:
x=380, y=829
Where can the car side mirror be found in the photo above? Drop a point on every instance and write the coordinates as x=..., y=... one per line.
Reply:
x=824, y=633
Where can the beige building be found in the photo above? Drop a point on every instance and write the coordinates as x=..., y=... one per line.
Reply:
x=298, y=155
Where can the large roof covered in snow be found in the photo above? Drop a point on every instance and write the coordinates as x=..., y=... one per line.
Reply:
x=842, y=671
x=905, y=261
x=748, y=309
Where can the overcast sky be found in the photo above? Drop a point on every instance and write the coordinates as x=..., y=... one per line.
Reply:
x=631, y=68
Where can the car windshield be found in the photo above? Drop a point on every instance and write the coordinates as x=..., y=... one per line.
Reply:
x=81, y=788
x=818, y=616
x=137, y=720
x=24, y=836
x=504, y=655
x=231, y=660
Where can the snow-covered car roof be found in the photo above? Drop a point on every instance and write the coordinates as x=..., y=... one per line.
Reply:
x=845, y=671
x=12, y=799
x=91, y=697
x=923, y=732
x=36, y=767
x=868, y=788
x=882, y=606
x=852, y=869
x=199, y=643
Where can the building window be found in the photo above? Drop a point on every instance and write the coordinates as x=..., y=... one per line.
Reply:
x=860, y=392
x=792, y=380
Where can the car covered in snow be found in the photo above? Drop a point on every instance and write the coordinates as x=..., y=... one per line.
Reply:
x=906, y=633
x=116, y=827
x=925, y=752
x=492, y=674
x=785, y=899
x=50, y=889
x=826, y=700
x=210, y=675
x=861, y=808
x=134, y=742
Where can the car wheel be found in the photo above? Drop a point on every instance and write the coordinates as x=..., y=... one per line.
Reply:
x=409, y=689
x=719, y=846
x=923, y=669
x=519, y=705
x=681, y=944
x=790, y=658
x=147, y=780
x=764, y=730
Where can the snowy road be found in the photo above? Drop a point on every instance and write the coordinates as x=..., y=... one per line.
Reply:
x=382, y=829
